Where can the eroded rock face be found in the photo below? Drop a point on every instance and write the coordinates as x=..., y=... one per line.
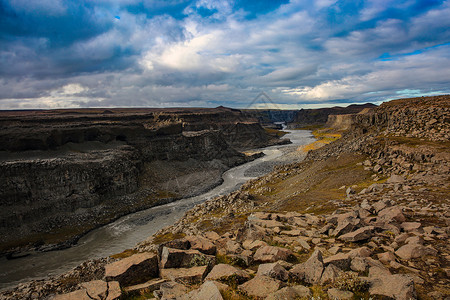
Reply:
x=70, y=170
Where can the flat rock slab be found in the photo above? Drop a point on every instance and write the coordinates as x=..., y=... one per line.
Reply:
x=414, y=250
x=267, y=254
x=261, y=286
x=175, y=258
x=207, y=291
x=224, y=272
x=398, y=286
x=170, y=290
x=201, y=244
x=135, y=269
x=360, y=234
x=96, y=289
x=146, y=287
x=185, y=275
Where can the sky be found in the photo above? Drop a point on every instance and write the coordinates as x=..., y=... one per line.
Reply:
x=207, y=53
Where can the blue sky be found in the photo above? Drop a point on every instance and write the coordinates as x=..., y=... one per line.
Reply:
x=206, y=53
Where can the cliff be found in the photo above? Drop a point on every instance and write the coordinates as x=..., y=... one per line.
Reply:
x=308, y=117
x=66, y=172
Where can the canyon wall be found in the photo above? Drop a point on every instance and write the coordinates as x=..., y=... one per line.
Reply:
x=66, y=172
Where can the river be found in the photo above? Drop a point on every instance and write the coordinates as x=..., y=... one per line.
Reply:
x=127, y=231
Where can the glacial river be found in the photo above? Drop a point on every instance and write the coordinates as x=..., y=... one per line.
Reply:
x=129, y=230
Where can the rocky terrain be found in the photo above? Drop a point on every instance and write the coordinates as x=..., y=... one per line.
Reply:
x=65, y=172
x=364, y=217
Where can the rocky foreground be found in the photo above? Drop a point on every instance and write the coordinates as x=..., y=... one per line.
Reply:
x=365, y=217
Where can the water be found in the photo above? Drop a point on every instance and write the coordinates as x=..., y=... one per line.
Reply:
x=127, y=231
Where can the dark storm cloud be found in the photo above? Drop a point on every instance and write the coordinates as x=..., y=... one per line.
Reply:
x=64, y=53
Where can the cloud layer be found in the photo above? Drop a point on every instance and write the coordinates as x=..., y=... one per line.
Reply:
x=82, y=53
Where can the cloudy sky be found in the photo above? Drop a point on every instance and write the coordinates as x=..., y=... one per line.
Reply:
x=173, y=53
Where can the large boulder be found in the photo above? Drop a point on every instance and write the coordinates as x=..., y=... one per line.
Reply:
x=398, y=286
x=186, y=276
x=340, y=260
x=311, y=270
x=96, y=289
x=274, y=270
x=201, y=244
x=207, y=291
x=261, y=286
x=135, y=269
x=175, y=258
x=392, y=214
x=224, y=272
x=360, y=234
x=415, y=250
x=267, y=254
x=170, y=290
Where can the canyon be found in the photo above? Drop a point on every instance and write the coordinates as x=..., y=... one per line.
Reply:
x=65, y=172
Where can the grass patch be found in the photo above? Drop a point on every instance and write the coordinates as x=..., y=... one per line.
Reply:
x=161, y=238
x=124, y=254
x=324, y=136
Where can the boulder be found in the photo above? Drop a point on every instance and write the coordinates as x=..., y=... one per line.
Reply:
x=96, y=289
x=253, y=245
x=398, y=286
x=386, y=257
x=360, y=252
x=330, y=274
x=135, y=269
x=207, y=291
x=413, y=250
x=114, y=291
x=290, y=292
x=175, y=258
x=410, y=226
x=311, y=270
x=170, y=290
x=340, y=260
x=233, y=247
x=346, y=225
x=359, y=264
x=391, y=215
x=201, y=244
x=147, y=287
x=186, y=276
x=224, y=272
x=361, y=234
x=336, y=294
x=261, y=286
x=274, y=270
x=212, y=235
x=267, y=254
